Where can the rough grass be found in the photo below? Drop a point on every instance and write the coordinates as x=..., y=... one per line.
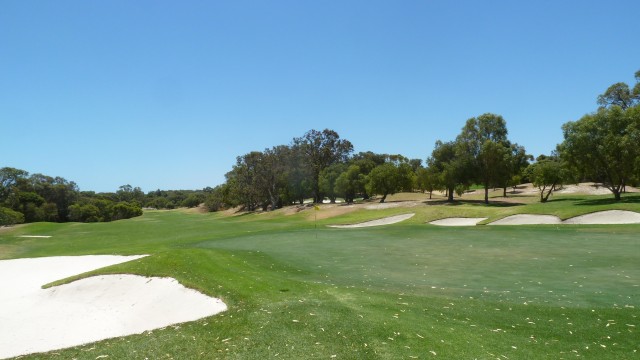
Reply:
x=297, y=289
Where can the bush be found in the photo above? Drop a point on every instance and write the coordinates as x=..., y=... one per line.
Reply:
x=191, y=201
x=10, y=217
x=125, y=210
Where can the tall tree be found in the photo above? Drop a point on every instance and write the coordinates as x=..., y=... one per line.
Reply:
x=619, y=94
x=603, y=146
x=322, y=149
x=484, y=139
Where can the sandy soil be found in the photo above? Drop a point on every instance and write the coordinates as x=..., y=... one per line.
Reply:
x=91, y=309
x=527, y=219
x=378, y=222
x=606, y=217
x=457, y=221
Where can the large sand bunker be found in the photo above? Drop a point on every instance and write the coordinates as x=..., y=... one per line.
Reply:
x=527, y=219
x=457, y=221
x=606, y=217
x=92, y=309
x=378, y=222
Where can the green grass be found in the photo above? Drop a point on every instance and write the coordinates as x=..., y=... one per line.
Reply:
x=403, y=291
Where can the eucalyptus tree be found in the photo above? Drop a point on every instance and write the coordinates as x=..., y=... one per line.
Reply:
x=350, y=182
x=321, y=149
x=389, y=178
x=452, y=166
x=328, y=180
x=603, y=146
x=619, y=94
x=484, y=139
x=546, y=174
x=427, y=180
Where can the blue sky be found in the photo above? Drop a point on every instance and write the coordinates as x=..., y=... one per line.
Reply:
x=165, y=94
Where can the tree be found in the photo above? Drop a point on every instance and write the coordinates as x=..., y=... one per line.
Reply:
x=9, y=177
x=273, y=172
x=366, y=161
x=426, y=180
x=619, y=94
x=349, y=183
x=320, y=150
x=484, y=139
x=242, y=181
x=328, y=178
x=452, y=166
x=546, y=174
x=389, y=178
x=603, y=146
x=516, y=161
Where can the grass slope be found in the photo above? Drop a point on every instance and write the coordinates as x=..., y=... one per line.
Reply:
x=405, y=291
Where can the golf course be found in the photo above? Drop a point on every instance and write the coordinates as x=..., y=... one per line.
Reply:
x=297, y=288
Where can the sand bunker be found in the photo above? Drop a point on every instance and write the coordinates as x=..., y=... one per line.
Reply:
x=527, y=219
x=96, y=308
x=457, y=221
x=378, y=222
x=597, y=218
x=606, y=217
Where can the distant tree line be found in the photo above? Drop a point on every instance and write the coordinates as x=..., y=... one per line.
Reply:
x=28, y=197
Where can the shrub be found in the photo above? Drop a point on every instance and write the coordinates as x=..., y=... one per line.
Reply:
x=10, y=217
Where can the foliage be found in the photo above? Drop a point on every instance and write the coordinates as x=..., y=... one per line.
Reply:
x=39, y=197
x=427, y=180
x=603, y=146
x=320, y=150
x=546, y=174
x=349, y=183
x=619, y=94
x=10, y=217
x=484, y=141
x=328, y=179
x=452, y=165
x=390, y=178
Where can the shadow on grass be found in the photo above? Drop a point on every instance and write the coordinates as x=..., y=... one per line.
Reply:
x=626, y=199
x=492, y=203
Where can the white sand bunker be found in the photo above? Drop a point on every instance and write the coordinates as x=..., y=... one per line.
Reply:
x=527, y=219
x=457, y=221
x=92, y=309
x=378, y=222
x=606, y=217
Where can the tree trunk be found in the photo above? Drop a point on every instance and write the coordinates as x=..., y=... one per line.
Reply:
x=450, y=195
x=430, y=192
x=486, y=194
x=383, y=198
x=504, y=191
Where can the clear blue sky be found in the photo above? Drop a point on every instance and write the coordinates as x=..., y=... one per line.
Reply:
x=165, y=94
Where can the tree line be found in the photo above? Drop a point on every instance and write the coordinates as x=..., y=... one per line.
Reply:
x=603, y=147
x=28, y=197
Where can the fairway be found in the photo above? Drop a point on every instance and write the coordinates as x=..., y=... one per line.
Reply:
x=296, y=289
